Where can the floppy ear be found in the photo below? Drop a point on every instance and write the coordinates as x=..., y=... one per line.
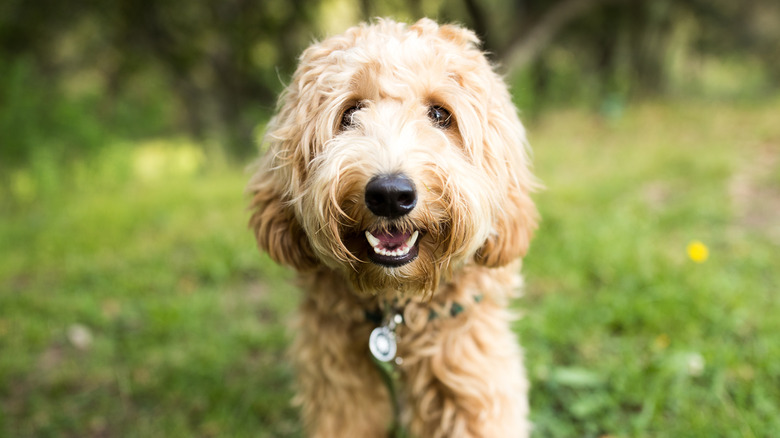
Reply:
x=513, y=229
x=278, y=177
x=506, y=159
x=276, y=229
x=302, y=123
x=499, y=147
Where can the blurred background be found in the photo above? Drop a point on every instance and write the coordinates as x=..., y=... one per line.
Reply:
x=134, y=303
x=80, y=75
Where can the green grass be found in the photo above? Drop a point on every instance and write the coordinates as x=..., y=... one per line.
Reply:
x=186, y=318
x=624, y=335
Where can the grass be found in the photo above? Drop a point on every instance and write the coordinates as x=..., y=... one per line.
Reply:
x=134, y=303
x=625, y=335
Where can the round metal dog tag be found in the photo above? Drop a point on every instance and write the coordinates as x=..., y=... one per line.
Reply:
x=382, y=344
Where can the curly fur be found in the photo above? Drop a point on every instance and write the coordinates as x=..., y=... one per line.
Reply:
x=462, y=375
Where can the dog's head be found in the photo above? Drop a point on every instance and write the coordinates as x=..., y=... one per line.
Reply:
x=396, y=157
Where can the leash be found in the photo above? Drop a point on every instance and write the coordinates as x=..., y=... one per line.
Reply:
x=383, y=348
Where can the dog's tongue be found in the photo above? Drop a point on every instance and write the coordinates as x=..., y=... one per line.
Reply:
x=392, y=239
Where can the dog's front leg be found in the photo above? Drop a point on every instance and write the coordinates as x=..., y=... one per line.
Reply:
x=340, y=392
x=465, y=378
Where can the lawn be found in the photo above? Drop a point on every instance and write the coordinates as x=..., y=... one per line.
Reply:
x=133, y=301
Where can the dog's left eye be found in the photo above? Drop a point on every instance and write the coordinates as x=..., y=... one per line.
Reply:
x=440, y=116
x=348, y=116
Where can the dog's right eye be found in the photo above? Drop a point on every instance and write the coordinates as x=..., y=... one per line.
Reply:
x=440, y=116
x=348, y=117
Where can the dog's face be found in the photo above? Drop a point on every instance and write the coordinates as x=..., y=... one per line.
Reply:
x=396, y=157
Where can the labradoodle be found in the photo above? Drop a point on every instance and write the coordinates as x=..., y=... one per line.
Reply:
x=396, y=183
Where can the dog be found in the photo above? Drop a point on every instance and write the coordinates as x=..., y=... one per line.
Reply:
x=396, y=181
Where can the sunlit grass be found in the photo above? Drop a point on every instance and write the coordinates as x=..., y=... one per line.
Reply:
x=158, y=268
x=652, y=343
x=133, y=301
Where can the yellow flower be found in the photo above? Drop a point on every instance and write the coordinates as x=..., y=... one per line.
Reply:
x=698, y=251
x=662, y=341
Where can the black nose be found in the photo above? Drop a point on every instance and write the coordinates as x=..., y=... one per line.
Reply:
x=390, y=196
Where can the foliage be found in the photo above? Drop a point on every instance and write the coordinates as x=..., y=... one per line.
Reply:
x=40, y=121
x=135, y=303
x=213, y=70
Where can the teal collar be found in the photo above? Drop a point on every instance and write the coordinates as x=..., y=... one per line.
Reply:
x=455, y=309
x=377, y=316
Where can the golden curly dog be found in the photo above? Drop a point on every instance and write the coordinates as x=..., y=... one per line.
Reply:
x=396, y=182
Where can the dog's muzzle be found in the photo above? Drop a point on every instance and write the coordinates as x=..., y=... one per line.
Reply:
x=391, y=197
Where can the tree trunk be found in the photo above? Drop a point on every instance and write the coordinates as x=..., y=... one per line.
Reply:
x=528, y=47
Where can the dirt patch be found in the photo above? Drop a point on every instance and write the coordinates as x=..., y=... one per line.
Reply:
x=656, y=194
x=755, y=192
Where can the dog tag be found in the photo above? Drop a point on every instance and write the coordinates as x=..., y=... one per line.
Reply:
x=382, y=344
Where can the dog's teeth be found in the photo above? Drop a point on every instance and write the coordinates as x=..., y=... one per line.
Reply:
x=373, y=241
x=376, y=244
x=412, y=239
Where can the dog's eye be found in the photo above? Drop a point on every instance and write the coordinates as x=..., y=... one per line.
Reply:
x=348, y=116
x=440, y=116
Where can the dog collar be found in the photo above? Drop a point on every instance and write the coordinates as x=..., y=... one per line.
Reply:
x=378, y=316
x=382, y=341
x=455, y=309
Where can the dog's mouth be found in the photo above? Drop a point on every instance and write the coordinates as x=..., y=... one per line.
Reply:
x=392, y=248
